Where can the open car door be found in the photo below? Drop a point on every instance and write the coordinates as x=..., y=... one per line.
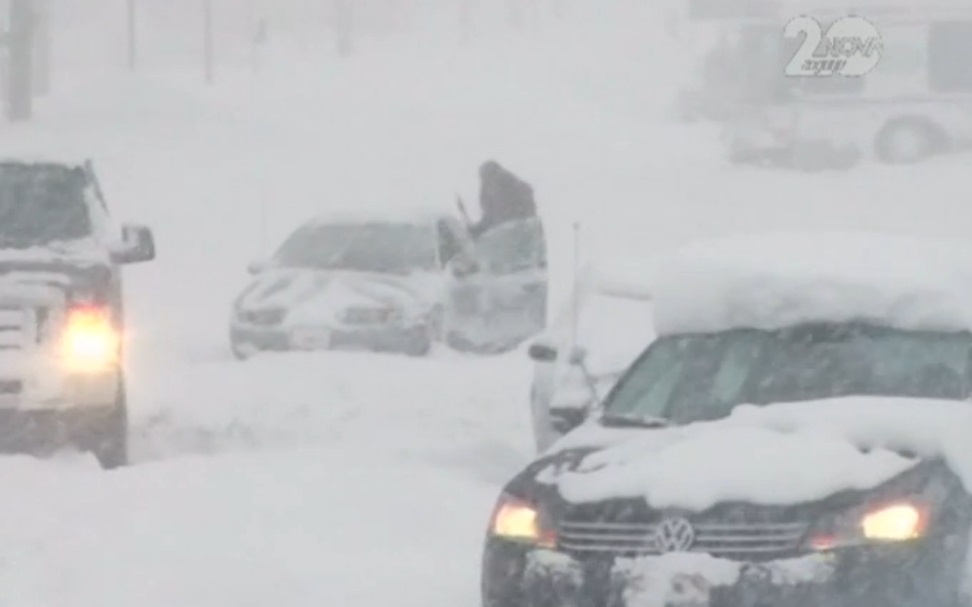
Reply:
x=498, y=296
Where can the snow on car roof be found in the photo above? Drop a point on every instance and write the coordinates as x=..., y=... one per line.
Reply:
x=396, y=214
x=778, y=280
x=875, y=7
x=632, y=278
x=29, y=155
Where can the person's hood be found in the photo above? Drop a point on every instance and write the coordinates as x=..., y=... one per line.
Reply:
x=774, y=455
x=297, y=290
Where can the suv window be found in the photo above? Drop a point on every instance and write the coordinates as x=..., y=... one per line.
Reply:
x=41, y=204
x=703, y=377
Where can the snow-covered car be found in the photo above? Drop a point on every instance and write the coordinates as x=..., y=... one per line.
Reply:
x=62, y=323
x=350, y=281
x=497, y=290
x=581, y=355
x=796, y=435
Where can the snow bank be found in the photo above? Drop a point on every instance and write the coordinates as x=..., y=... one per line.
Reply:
x=777, y=280
x=759, y=454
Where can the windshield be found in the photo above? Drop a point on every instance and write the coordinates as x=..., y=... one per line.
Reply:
x=41, y=204
x=395, y=248
x=702, y=377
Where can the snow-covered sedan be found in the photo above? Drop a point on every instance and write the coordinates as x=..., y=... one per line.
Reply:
x=796, y=435
x=350, y=281
x=601, y=329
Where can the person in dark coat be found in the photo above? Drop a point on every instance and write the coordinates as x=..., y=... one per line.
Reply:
x=503, y=197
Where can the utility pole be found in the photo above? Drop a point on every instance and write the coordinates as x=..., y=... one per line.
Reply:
x=132, y=36
x=208, y=50
x=20, y=46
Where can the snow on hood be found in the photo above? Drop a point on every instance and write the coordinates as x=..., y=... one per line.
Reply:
x=84, y=251
x=316, y=296
x=779, y=280
x=774, y=455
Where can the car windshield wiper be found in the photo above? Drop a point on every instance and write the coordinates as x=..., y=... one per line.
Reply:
x=633, y=421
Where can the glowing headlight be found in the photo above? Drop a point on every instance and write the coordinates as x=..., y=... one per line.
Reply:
x=90, y=342
x=896, y=523
x=519, y=521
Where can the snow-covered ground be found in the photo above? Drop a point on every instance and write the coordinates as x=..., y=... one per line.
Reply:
x=348, y=478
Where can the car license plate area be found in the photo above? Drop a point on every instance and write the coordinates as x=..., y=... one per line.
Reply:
x=311, y=339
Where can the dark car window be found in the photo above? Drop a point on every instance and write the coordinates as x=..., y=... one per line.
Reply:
x=513, y=247
x=398, y=248
x=41, y=204
x=702, y=377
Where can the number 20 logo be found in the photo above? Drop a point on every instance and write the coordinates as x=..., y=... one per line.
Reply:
x=851, y=46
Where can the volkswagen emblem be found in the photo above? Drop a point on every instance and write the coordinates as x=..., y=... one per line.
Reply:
x=674, y=535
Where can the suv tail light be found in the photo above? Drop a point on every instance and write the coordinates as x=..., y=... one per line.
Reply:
x=90, y=343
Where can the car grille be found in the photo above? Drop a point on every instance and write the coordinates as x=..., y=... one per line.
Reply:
x=18, y=328
x=11, y=387
x=367, y=315
x=263, y=317
x=740, y=541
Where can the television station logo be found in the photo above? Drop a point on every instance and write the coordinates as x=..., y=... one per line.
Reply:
x=851, y=47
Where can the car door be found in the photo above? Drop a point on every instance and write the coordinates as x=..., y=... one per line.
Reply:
x=512, y=280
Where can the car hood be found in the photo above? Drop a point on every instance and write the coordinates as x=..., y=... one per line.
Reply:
x=294, y=290
x=45, y=275
x=780, y=454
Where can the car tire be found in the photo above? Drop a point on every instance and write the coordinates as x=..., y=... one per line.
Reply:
x=243, y=350
x=111, y=447
x=420, y=342
x=908, y=142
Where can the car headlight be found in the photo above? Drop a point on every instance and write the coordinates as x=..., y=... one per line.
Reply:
x=896, y=523
x=520, y=521
x=901, y=521
x=90, y=343
x=264, y=317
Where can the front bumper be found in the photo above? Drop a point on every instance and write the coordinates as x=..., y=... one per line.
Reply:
x=41, y=432
x=517, y=576
x=368, y=337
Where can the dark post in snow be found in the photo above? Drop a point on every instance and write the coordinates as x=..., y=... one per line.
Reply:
x=344, y=25
x=208, y=50
x=132, y=36
x=259, y=37
x=20, y=47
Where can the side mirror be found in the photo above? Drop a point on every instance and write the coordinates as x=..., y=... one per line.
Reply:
x=578, y=356
x=255, y=267
x=542, y=353
x=567, y=419
x=137, y=246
